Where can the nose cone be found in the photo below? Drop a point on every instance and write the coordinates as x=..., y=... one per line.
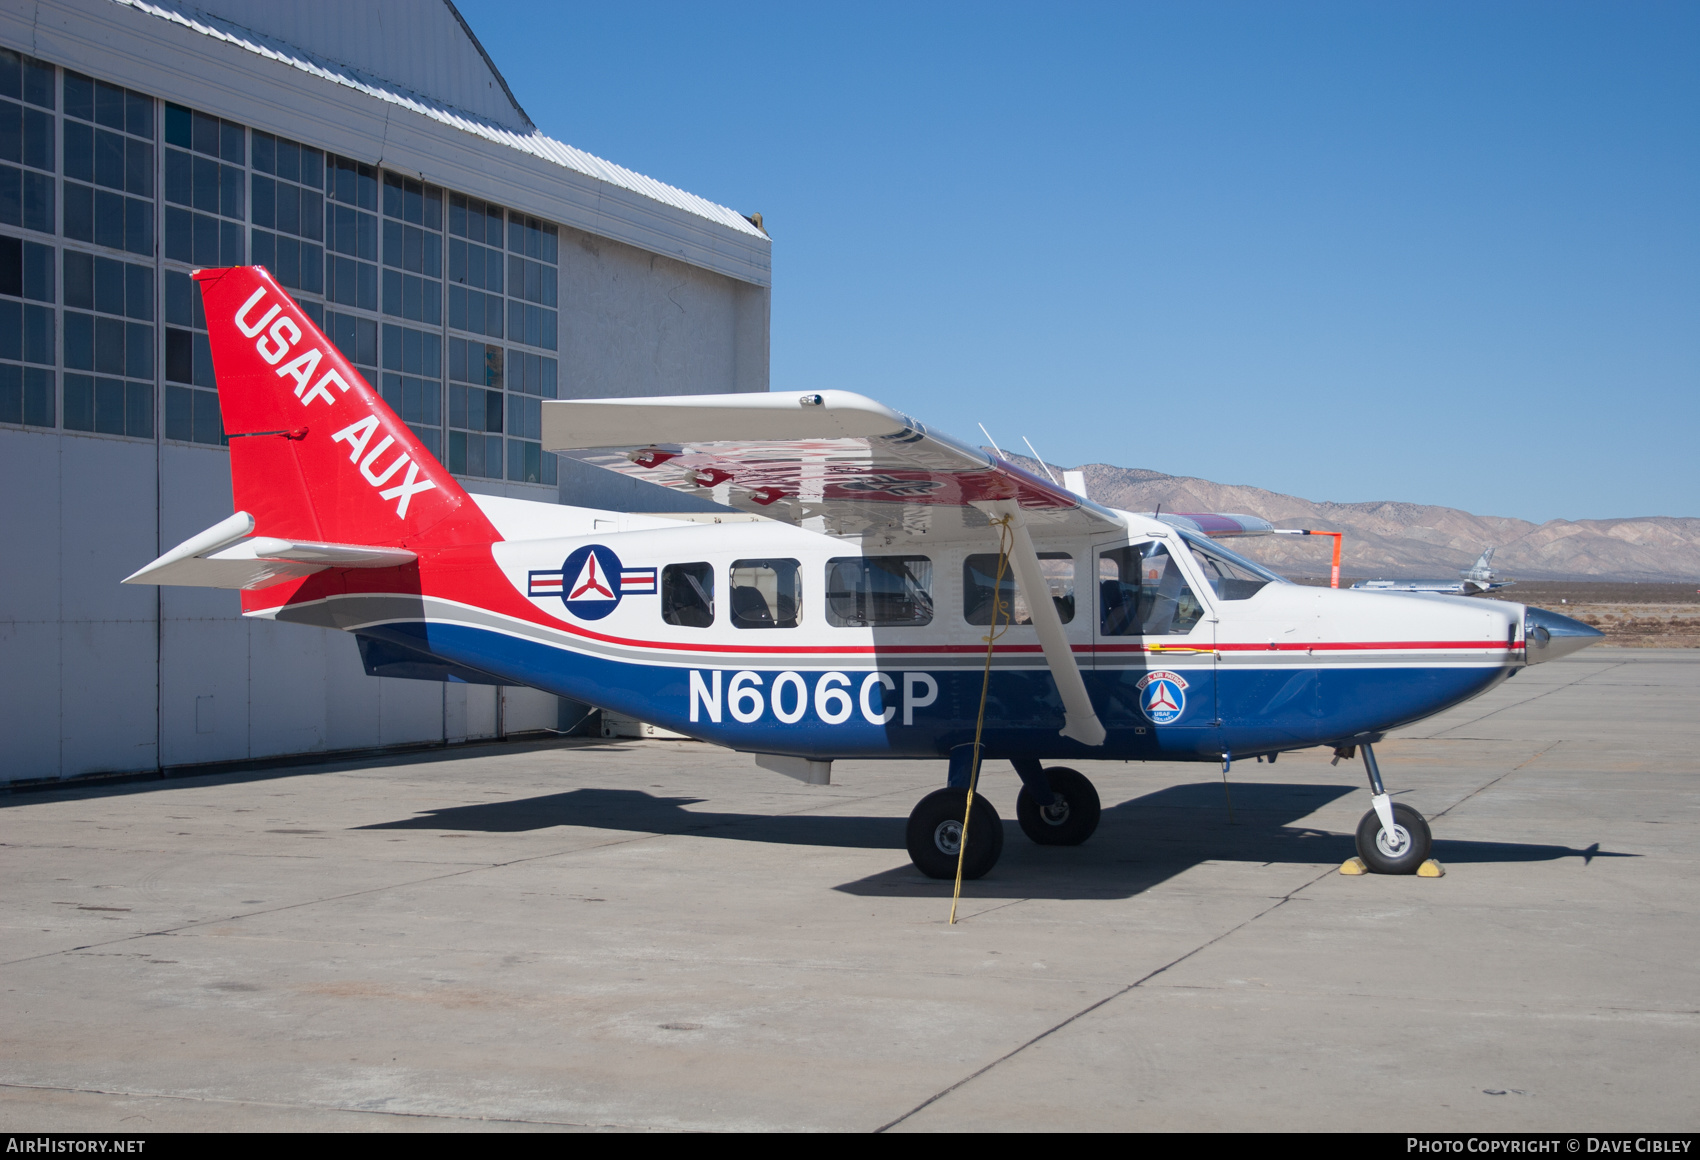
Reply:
x=1551, y=636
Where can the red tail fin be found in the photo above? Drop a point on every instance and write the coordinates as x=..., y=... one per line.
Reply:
x=315, y=453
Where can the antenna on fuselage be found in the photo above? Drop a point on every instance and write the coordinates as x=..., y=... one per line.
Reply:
x=992, y=441
x=1038, y=458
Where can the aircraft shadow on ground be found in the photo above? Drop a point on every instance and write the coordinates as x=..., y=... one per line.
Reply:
x=1139, y=843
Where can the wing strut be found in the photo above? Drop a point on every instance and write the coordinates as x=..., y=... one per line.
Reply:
x=1080, y=719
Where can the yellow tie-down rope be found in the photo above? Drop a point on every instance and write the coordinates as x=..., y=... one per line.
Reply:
x=1006, y=537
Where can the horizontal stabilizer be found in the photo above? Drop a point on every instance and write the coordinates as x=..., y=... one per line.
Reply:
x=228, y=555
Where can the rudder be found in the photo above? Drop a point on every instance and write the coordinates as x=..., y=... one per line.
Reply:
x=315, y=452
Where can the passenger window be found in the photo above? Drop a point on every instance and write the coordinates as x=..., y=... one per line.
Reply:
x=1141, y=592
x=687, y=595
x=766, y=594
x=979, y=579
x=1231, y=576
x=879, y=591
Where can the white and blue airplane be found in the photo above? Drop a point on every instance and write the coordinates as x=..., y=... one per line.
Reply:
x=851, y=623
x=1472, y=581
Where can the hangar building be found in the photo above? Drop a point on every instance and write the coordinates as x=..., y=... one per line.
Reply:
x=372, y=156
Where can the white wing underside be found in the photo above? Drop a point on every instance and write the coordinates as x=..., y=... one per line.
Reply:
x=855, y=464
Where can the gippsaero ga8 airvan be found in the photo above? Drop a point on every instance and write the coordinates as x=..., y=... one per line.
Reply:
x=852, y=623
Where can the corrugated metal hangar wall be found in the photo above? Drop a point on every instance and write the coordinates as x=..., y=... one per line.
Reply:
x=372, y=156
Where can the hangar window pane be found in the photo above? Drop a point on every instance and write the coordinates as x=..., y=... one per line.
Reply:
x=26, y=199
x=412, y=382
x=26, y=78
x=532, y=325
x=350, y=228
x=475, y=220
x=476, y=362
x=114, y=153
x=526, y=462
x=206, y=189
x=356, y=338
x=26, y=333
x=413, y=298
x=26, y=136
x=289, y=205
x=27, y=269
x=532, y=282
x=108, y=406
x=26, y=392
x=26, y=395
x=531, y=374
x=413, y=202
x=476, y=455
x=476, y=408
x=350, y=183
x=191, y=399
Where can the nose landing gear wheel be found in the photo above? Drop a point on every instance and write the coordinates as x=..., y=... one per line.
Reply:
x=1400, y=852
x=934, y=834
x=1068, y=819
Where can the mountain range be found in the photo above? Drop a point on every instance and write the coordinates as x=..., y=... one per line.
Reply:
x=1387, y=538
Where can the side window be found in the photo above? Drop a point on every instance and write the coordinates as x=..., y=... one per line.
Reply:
x=687, y=595
x=879, y=591
x=1141, y=592
x=979, y=578
x=766, y=594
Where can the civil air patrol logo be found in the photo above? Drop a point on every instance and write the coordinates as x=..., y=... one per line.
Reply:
x=591, y=582
x=901, y=486
x=1162, y=696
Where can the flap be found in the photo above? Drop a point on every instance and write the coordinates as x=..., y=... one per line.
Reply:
x=853, y=463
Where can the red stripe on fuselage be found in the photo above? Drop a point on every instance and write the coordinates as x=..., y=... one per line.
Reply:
x=468, y=575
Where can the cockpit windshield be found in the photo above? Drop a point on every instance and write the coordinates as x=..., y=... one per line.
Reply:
x=1231, y=576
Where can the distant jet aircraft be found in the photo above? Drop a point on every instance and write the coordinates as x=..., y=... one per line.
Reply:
x=1471, y=582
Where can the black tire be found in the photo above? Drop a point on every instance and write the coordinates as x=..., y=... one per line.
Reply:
x=1067, y=822
x=1394, y=861
x=930, y=834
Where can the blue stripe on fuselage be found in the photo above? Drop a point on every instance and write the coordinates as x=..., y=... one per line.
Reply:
x=1244, y=711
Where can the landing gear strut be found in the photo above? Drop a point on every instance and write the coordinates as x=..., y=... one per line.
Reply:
x=1393, y=838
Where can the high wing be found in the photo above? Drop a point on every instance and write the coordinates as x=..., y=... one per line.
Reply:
x=854, y=464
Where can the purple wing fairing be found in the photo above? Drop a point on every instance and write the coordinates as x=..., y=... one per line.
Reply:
x=1218, y=525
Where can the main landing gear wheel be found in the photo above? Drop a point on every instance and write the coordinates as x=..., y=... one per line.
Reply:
x=934, y=835
x=1400, y=852
x=1068, y=819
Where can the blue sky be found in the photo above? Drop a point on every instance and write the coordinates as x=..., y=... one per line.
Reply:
x=1445, y=253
